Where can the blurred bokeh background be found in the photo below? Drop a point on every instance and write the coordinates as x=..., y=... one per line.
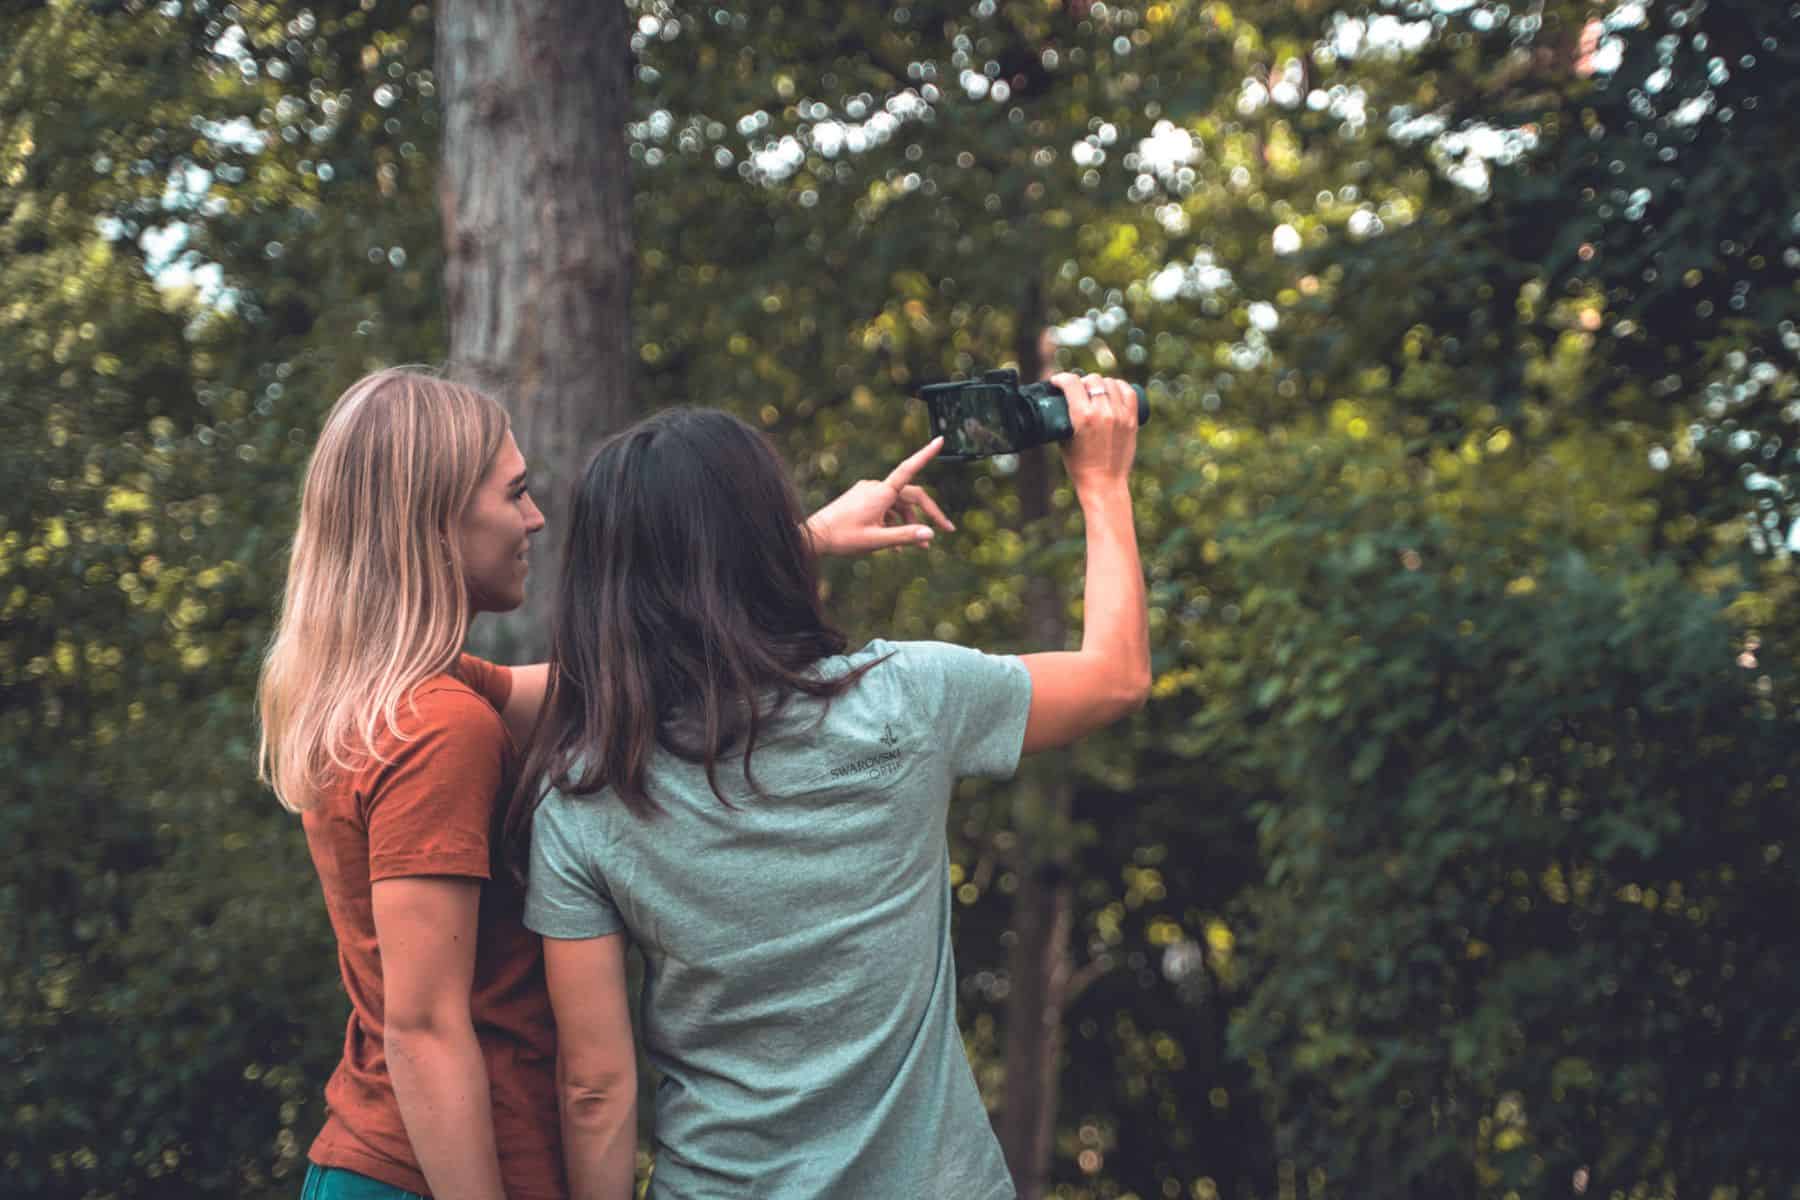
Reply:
x=1449, y=858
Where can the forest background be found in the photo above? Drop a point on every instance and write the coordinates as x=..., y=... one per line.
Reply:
x=1450, y=855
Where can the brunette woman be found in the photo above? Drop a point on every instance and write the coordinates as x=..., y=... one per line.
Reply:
x=764, y=814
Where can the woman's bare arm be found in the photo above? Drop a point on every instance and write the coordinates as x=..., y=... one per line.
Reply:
x=425, y=927
x=1074, y=692
x=596, y=1064
x=529, y=684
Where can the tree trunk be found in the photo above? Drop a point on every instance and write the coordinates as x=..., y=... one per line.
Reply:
x=536, y=199
x=1038, y=966
x=1038, y=972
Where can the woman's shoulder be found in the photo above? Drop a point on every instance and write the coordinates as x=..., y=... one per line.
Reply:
x=449, y=705
x=874, y=659
x=446, y=700
x=929, y=671
x=490, y=681
x=911, y=649
x=913, y=658
x=441, y=733
x=899, y=653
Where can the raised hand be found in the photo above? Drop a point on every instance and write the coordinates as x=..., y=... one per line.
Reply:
x=1104, y=413
x=875, y=514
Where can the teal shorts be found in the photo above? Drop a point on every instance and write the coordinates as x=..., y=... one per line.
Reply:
x=335, y=1183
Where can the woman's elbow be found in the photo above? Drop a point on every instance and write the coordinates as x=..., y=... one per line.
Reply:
x=417, y=1023
x=1133, y=693
x=597, y=1085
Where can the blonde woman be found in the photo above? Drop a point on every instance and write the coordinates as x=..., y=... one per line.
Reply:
x=396, y=747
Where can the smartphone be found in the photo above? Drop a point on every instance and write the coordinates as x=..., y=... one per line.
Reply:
x=979, y=420
x=999, y=415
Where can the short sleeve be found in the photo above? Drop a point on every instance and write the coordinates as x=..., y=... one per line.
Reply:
x=564, y=898
x=492, y=682
x=977, y=702
x=430, y=810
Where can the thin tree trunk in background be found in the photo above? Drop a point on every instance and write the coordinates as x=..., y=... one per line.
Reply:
x=1038, y=966
x=536, y=199
x=1038, y=972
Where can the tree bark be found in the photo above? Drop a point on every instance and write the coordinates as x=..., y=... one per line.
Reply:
x=536, y=200
x=1038, y=972
x=1038, y=966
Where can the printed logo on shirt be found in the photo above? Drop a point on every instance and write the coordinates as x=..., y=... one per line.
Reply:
x=873, y=766
x=887, y=736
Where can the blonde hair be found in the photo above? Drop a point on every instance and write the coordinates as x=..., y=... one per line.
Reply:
x=376, y=602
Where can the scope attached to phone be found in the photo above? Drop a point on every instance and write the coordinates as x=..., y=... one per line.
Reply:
x=996, y=414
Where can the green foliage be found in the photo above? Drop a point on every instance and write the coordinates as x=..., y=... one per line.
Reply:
x=167, y=1011
x=1518, y=917
x=1653, y=224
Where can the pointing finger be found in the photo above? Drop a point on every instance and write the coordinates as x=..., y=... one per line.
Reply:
x=903, y=474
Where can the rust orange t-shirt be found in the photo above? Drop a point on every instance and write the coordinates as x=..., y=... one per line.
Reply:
x=432, y=809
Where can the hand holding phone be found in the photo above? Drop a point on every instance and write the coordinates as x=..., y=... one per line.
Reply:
x=997, y=415
x=1104, y=416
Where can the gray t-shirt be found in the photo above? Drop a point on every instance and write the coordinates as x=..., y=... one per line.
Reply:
x=800, y=996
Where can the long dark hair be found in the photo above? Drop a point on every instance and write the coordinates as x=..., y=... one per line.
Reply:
x=687, y=615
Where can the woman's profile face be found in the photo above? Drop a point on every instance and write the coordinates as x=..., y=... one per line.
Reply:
x=496, y=533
